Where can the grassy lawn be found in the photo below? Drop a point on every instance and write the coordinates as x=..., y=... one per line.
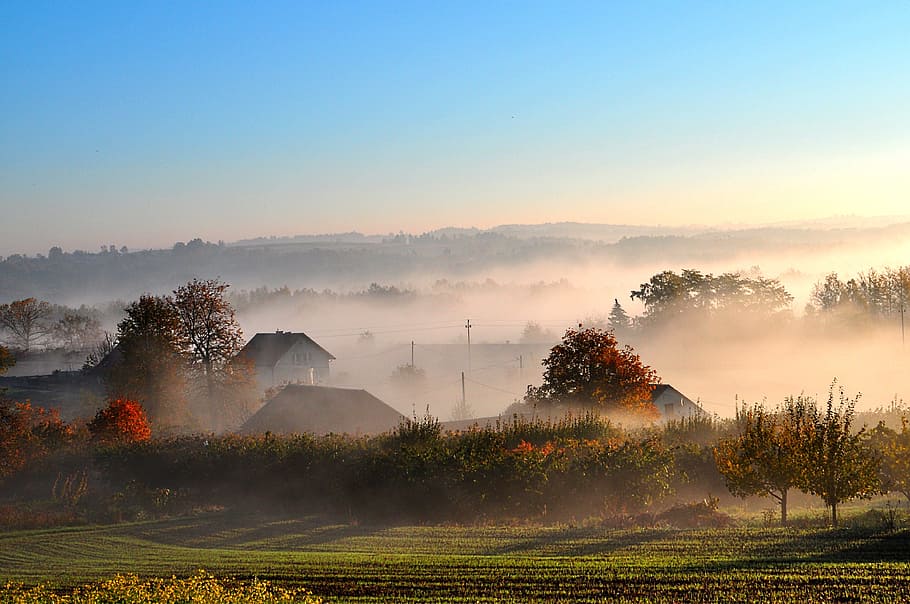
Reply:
x=440, y=563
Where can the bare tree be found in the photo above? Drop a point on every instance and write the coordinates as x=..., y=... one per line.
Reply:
x=78, y=330
x=26, y=321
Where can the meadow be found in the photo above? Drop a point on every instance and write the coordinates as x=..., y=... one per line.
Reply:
x=565, y=562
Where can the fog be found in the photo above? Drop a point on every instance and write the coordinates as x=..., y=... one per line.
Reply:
x=718, y=363
x=428, y=291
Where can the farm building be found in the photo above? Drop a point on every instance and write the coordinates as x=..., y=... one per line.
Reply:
x=285, y=357
x=323, y=410
x=673, y=404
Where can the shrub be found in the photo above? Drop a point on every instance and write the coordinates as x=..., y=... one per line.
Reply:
x=122, y=420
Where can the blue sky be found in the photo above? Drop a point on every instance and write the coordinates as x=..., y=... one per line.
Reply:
x=142, y=124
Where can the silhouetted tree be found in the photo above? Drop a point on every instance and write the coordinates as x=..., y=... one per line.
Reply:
x=26, y=321
x=589, y=369
x=100, y=350
x=668, y=295
x=534, y=333
x=619, y=320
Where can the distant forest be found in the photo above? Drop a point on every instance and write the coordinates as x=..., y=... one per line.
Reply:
x=353, y=261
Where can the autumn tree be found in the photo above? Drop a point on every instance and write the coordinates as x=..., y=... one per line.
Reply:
x=27, y=434
x=765, y=457
x=151, y=369
x=840, y=465
x=122, y=420
x=212, y=339
x=26, y=321
x=590, y=369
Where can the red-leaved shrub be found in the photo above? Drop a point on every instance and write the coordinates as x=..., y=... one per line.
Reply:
x=122, y=420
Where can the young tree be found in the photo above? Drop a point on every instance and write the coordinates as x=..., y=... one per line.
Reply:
x=152, y=367
x=765, y=457
x=839, y=464
x=27, y=321
x=589, y=369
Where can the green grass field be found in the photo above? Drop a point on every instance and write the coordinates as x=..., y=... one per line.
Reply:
x=344, y=563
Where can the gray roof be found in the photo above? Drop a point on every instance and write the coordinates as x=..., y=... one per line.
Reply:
x=265, y=349
x=323, y=410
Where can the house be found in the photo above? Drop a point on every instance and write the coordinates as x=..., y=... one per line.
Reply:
x=673, y=404
x=285, y=357
x=323, y=410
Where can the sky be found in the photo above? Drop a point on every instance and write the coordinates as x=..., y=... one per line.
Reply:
x=145, y=123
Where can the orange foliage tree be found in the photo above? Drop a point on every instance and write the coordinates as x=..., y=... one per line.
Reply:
x=123, y=420
x=590, y=369
x=28, y=433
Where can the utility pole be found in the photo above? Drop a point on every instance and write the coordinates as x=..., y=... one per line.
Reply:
x=468, y=327
x=412, y=353
x=521, y=366
x=903, y=339
x=463, y=399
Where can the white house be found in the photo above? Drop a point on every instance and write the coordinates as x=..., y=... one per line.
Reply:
x=286, y=357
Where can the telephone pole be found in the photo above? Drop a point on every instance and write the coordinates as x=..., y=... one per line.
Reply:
x=468, y=327
x=412, y=353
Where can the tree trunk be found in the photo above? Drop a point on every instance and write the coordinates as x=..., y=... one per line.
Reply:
x=834, y=515
x=783, y=507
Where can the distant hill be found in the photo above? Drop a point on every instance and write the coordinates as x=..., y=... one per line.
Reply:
x=351, y=260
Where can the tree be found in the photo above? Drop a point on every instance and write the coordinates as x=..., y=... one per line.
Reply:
x=765, y=457
x=78, y=331
x=894, y=451
x=619, y=320
x=27, y=321
x=668, y=294
x=212, y=338
x=121, y=421
x=152, y=367
x=100, y=350
x=840, y=466
x=589, y=369
x=534, y=333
